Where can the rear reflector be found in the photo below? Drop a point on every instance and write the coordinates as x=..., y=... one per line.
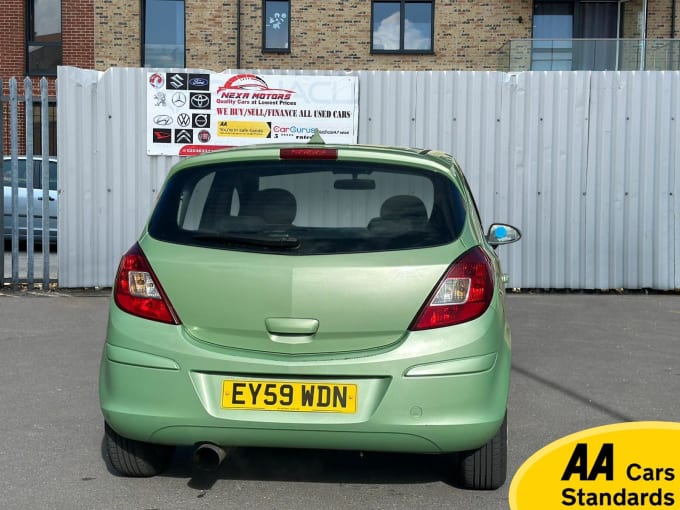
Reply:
x=463, y=294
x=304, y=153
x=137, y=291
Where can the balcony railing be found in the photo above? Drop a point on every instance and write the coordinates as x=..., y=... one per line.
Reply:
x=590, y=55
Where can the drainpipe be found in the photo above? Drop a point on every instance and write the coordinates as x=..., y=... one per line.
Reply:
x=238, y=34
x=673, y=20
x=643, y=46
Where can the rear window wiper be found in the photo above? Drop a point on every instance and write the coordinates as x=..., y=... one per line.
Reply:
x=251, y=240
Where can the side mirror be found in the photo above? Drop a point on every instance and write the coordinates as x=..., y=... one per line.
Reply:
x=499, y=233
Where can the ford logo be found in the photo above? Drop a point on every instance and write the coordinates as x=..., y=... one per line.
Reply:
x=198, y=82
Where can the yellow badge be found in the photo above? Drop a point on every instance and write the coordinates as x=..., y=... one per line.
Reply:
x=627, y=465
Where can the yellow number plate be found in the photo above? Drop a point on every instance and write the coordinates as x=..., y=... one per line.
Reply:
x=289, y=396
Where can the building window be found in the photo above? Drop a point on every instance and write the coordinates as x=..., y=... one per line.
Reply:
x=43, y=37
x=276, y=26
x=577, y=35
x=404, y=26
x=163, y=33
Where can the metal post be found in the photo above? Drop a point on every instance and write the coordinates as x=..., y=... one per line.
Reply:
x=30, y=206
x=45, y=145
x=14, y=152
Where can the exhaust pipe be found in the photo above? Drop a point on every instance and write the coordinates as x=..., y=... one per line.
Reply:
x=208, y=456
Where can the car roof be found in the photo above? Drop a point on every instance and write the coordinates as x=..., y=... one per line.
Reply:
x=414, y=157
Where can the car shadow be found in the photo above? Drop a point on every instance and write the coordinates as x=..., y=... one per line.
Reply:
x=311, y=466
x=315, y=466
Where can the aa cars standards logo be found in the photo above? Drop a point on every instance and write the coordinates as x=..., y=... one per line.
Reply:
x=628, y=465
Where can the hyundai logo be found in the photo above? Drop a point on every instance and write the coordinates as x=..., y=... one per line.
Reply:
x=162, y=120
x=200, y=101
x=198, y=82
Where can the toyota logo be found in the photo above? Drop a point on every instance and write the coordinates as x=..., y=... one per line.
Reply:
x=179, y=99
x=200, y=101
x=162, y=120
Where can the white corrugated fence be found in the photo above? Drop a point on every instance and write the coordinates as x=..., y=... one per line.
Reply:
x=584, y=163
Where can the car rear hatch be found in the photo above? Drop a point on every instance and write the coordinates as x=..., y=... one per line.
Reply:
x=303, y=257
x=288, y=304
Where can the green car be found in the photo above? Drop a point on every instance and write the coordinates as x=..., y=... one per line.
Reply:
x=311, y=296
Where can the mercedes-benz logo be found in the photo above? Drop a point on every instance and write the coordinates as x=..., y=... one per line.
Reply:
x=179, y=99
x=200, y=100
x=183, y=120
x=162, y=120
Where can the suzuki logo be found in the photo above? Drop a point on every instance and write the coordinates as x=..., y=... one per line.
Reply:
x=176, y=81
x=183, y=120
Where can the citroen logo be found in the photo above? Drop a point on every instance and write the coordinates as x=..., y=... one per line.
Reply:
x=184, y=136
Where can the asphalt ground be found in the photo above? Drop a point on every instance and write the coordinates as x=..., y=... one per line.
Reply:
x=580, y=360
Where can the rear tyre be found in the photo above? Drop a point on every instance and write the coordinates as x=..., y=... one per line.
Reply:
x=485, y=468
x=136, y=458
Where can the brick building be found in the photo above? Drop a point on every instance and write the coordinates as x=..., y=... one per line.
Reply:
x=38, y=35
x=35, y=37
x=350, y=34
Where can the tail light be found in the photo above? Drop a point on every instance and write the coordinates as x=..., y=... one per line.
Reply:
x=308, y=153
x=137, y=291
x=462, y=295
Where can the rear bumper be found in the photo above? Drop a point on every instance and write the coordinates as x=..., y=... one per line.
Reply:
x=430, y=394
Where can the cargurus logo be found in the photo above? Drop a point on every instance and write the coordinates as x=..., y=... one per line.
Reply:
x=294, y=130
x=302, y=130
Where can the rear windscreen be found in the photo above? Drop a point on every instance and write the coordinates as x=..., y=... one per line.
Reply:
x=308, y=207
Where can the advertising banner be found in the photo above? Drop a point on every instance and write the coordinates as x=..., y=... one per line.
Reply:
x=192, y=113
